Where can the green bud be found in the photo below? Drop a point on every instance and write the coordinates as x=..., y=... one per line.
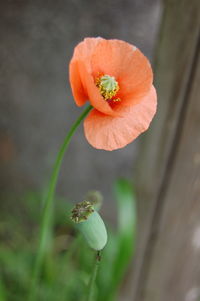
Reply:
x=95, y=198
x=90, y=224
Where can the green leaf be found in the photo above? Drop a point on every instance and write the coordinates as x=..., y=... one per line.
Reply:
x=126, y=229
x=120, y=248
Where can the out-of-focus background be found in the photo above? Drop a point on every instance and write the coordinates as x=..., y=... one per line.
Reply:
x=153, y=216
x=36, y=111
x=37, y=108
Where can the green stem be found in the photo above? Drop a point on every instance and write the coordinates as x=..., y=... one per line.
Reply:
x=93, y=277
x=46, y=231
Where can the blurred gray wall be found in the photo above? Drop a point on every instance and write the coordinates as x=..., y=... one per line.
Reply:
x=36, y=105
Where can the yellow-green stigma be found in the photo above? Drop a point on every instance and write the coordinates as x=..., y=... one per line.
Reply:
x=108, y=86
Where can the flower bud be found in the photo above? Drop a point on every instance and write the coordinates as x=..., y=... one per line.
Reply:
x=95, y=198
x=91, y=225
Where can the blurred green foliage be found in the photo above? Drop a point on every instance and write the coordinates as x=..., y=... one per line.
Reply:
x=68, y=266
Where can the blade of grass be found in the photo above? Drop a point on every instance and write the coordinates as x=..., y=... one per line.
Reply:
x=2, y=291
x=122, y=242
x=126, y=228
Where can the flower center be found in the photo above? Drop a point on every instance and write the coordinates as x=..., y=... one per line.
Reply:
x=108, y=87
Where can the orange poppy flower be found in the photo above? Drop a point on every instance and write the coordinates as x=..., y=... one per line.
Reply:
x=116, y=78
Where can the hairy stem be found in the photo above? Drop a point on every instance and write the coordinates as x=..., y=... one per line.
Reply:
x=46, y=223
x=93, y=277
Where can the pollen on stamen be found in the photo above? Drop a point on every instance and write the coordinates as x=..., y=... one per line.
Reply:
x=116, y=99
x=108, y=87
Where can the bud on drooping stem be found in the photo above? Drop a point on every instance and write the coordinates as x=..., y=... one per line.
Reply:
x=91, y=225
x=95, y=198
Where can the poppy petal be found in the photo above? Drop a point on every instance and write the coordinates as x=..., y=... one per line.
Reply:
x=84, y=50
x=81, y=79
x=78, y=91
x=96, y=100
x=110, y=133
x=126, y=63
